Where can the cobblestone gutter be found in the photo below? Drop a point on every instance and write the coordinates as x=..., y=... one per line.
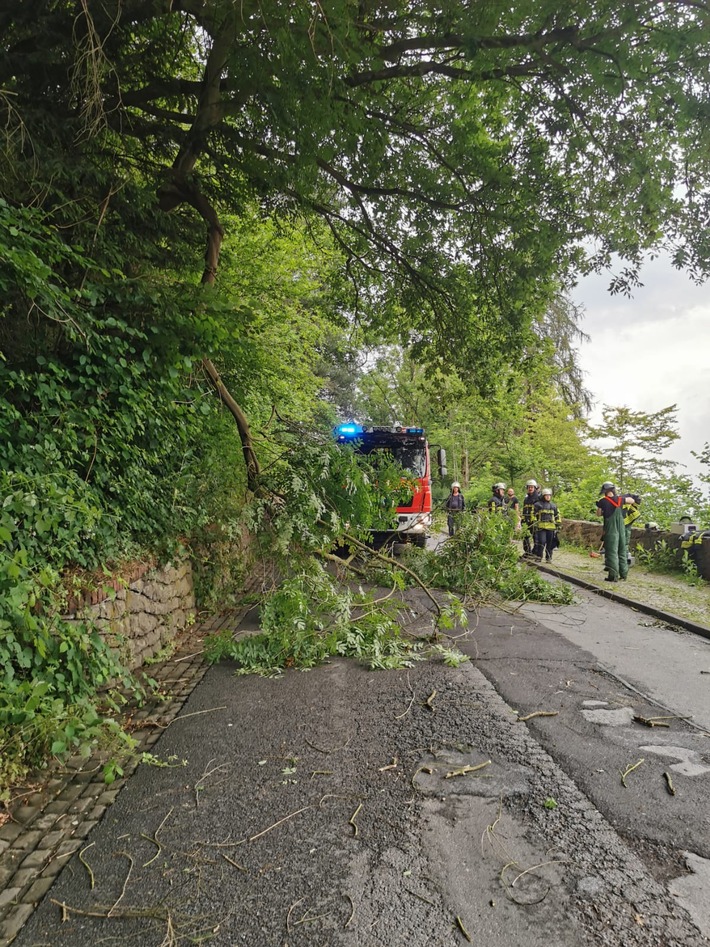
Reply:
x=50, y=824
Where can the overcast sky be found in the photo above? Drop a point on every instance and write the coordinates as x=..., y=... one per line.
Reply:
x=651, y=351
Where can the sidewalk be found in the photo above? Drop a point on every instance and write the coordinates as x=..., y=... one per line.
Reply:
x=668, y=597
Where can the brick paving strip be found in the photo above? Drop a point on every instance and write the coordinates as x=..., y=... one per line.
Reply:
x=52, y=823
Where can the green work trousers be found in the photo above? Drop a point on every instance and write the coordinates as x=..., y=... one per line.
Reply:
x=615, y=548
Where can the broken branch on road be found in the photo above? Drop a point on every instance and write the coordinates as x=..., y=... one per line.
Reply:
x=465, y=770
x=538, y=713
x=629, y=770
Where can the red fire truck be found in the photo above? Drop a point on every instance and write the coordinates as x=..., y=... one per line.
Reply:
x=408, y=447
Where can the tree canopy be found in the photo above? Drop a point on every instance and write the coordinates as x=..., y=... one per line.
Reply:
x=463, y=155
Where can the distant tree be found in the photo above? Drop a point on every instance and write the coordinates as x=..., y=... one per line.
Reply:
x=633, y=441
x=560, y=327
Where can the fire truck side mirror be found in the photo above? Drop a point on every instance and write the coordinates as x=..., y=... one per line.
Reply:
x=441, y=462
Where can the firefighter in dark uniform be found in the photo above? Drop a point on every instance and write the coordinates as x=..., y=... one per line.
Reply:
x=546, y=522
x=610, y=506
x=496, y=504
x=532, y=495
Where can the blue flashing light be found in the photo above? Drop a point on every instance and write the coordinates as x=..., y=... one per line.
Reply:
x=348, y=430
x=414, y=430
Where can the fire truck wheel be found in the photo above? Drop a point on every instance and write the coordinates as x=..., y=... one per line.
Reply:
x=420, y=541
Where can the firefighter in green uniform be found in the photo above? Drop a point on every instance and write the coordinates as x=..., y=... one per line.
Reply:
x=610, y=506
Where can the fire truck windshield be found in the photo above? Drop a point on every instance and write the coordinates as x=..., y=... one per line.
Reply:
x=410, y=456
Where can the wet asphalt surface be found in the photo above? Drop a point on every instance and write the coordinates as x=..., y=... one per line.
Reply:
x=334, y=807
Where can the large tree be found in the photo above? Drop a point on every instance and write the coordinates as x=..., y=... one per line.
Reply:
x=461, y=154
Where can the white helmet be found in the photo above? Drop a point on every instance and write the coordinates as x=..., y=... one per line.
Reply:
x=455, y=484
x=531, y=483
x=499, y=486
x=546, y=492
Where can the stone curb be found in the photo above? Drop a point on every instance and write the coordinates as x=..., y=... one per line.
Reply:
x=697, y=629
x=53, y=822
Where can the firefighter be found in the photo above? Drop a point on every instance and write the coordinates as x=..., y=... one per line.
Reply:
x=455, y=505
x=630, y=507
x=496, y=504
x=532, y=495
x=546, y=522
x=610, y=506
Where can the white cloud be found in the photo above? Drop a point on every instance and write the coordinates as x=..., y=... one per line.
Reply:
x=651, y=351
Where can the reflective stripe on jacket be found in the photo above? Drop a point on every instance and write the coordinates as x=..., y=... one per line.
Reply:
x=546, y=515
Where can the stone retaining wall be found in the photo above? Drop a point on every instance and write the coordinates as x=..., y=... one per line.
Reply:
x=582, y=533
x=140, y=614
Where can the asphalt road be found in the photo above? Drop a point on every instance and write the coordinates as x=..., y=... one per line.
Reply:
x=335, y=807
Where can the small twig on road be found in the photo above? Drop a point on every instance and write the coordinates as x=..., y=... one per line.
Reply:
x=288, y=916
x=421, y=897
x=199, y=785
x=170, y=939
x=422, y=769
x=509, y=887
x=399, y=716
x=463, y=929
x=86, y=864
x=334, y=750
x=352, y=911
x=280, y=822
x=464, y=770
x=669, y=783
x=197, y=713
x=629, y=770
x=538, y=713
x=393, y=765
x=154, y=839
x=533, y=868
x=429, y=701
x=125, y=883
x=232, y=862
x=650, y=721
x=186, y=657
x=352, y=821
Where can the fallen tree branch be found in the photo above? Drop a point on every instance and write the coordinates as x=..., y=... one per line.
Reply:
x=398, y=565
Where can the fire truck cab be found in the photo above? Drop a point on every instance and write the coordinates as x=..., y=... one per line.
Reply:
x=409, y=448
